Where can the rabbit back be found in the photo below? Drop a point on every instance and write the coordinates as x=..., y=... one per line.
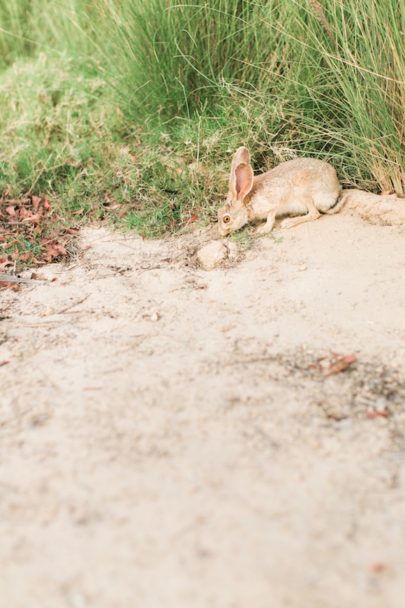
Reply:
x=291, y=183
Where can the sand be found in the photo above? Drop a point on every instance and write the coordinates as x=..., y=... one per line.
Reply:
x=174, y=437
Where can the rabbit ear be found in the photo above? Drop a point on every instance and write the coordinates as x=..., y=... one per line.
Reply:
x=241, y=178
x=244, y=180
x=241, y=156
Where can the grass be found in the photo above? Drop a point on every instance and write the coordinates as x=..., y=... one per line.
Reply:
x=131, y=110
x=287, y=77
x=243, y=238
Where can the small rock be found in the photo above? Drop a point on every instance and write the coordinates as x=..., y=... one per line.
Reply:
x=211, y=255
x=233, y=251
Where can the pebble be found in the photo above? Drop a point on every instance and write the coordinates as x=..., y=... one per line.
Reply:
x=212, y=255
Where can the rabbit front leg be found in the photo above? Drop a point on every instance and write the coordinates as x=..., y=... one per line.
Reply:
x=268, y=225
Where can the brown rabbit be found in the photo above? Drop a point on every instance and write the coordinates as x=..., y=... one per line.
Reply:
x=304, y=187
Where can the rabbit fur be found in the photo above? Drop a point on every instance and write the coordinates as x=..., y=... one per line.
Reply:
x=303, y=187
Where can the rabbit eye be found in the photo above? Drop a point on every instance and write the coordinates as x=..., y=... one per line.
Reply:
x=226, y=219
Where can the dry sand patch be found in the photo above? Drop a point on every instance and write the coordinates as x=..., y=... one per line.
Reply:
x=169, y=436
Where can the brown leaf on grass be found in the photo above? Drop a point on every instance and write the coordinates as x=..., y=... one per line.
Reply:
x=36, y=201
x=31, y=233
x=34, y=218
x=193, y=218
x=22, y=257
x=53, y=251
x=4, y=262
x=339, y=364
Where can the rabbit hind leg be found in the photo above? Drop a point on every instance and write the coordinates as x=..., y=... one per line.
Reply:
x=313, y=214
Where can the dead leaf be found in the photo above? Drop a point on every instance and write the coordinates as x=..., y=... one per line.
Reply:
x=34, y=218
x=378, y=567
x=339, y=364
x=193, y=218
x=23, y=257
x=36, y=201
x=378, y=414
x=29, y=225
x=12, y=286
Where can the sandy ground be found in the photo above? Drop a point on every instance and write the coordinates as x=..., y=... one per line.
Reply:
x=171, y=437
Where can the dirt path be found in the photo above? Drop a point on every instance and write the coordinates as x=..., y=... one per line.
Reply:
x=170, y=437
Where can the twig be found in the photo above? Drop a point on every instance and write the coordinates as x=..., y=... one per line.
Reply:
x=61, y=312
x=9, y=278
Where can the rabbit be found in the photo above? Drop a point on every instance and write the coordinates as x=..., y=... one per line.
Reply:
x=304, y=187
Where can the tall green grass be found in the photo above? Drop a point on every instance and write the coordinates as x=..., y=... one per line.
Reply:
x=321, y=78
x=105, y=103
x=29, y=27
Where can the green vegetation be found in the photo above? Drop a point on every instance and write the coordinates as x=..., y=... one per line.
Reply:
x=131, y=110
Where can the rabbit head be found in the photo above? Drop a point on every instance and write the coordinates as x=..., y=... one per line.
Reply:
x=233, y=215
